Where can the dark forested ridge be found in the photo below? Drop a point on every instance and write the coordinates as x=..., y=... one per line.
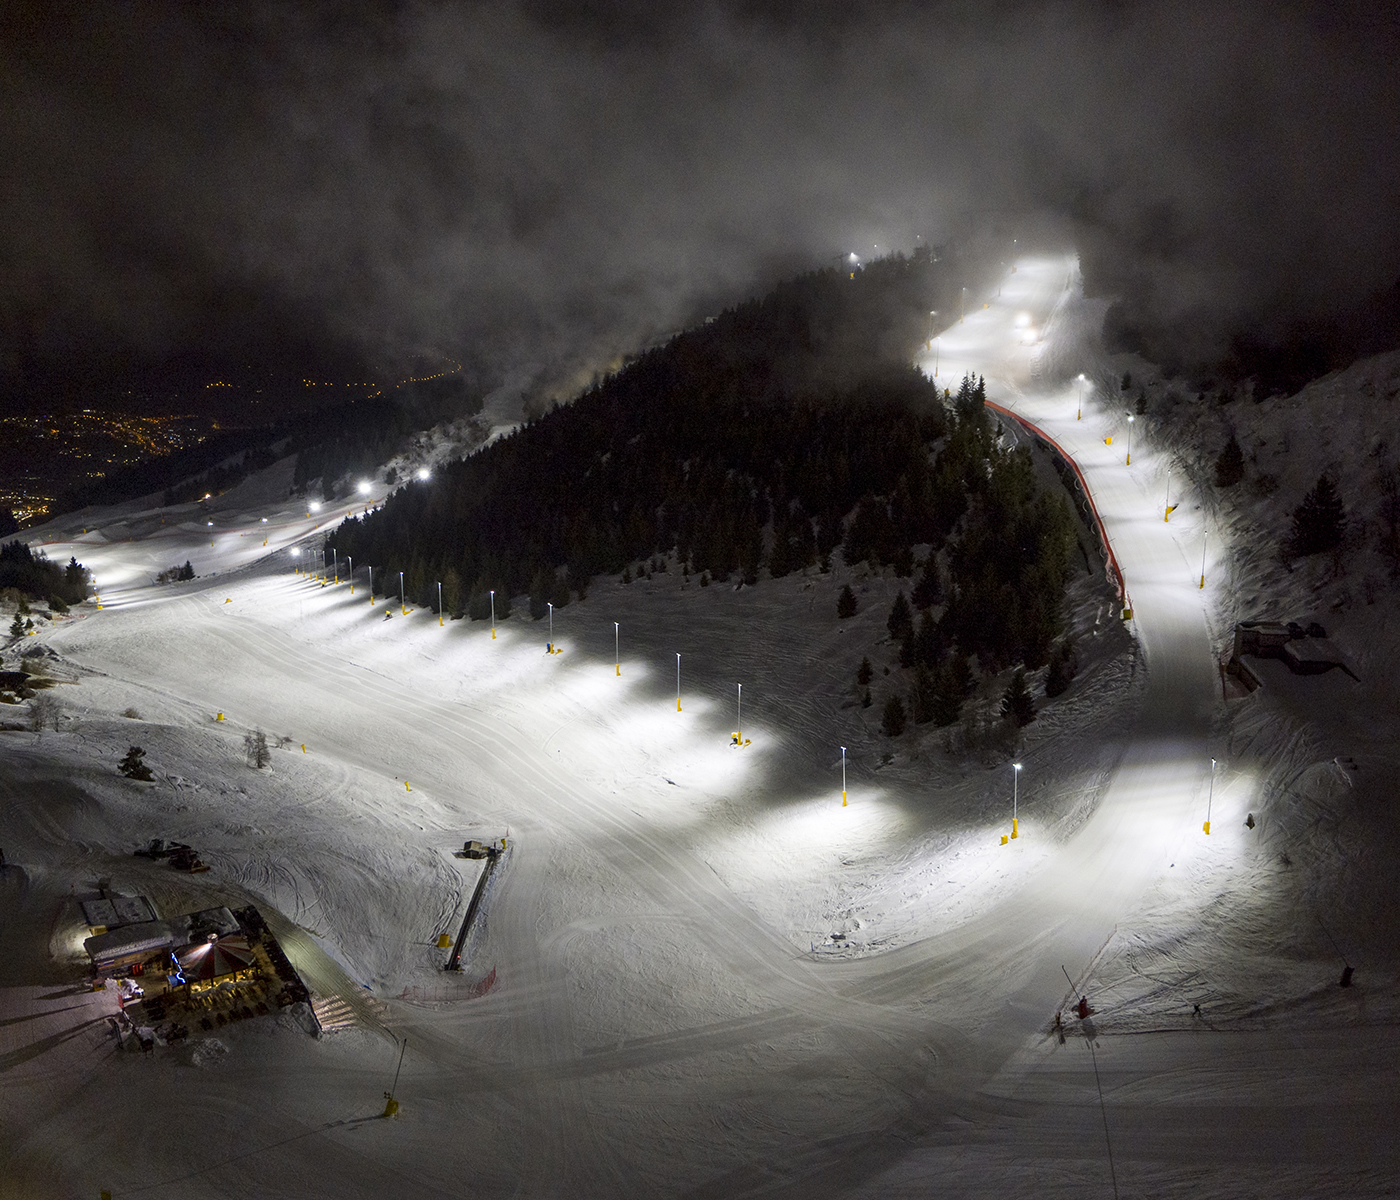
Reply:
x=756, y=443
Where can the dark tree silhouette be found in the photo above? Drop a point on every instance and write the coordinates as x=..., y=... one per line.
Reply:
x=895, y=717
x=133, y=767
x=1229, y=466
x=846, y=603
x=1016, y=702
x=1319, y=521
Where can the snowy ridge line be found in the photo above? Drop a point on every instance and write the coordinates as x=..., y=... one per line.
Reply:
x=1031, y=427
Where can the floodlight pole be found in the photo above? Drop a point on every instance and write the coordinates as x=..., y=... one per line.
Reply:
x=403, y=604
x=740, y=712
x=1015, y=796
x=1167, y=516
x=1210, y=796
x=350, y=558
x=439, y=603
x=549, y=649
x=1205, y=535
x=617, y=648
x=1129, y=461
x=335, y=558
x=843, y=776
x=1079, y=412
x=371, y=584
x=493, y=613
x=678, y=683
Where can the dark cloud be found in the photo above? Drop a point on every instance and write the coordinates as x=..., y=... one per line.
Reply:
x=552, y=182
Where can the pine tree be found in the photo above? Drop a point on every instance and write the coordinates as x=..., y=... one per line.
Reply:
x=865, y=673
x=1016, y=702
x=132, y=766
x=1063, y=665
x=452, y=592
x=927, y=643
x=901, y=620
x=1319, y=521
x=923, y=696
x=541, y=593
x=1229, y=467
x=255, y=748
x=895, y=717
x=929, y=590
x=17, y=626
x=846, y=603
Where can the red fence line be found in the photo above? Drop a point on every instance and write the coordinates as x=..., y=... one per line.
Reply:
x=1117, y=572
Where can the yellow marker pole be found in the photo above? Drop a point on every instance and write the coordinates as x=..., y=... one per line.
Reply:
x=444, y=941
x=1210, y=796
x=406, y=787
x=303, y=747
x=843, y=776
x=219, y=717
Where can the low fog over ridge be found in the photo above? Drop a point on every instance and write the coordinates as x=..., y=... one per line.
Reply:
x=548, y=184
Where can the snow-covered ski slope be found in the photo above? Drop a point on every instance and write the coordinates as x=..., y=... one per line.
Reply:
x=661, y=1022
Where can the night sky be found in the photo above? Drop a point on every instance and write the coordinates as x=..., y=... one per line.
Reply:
x=352, y=188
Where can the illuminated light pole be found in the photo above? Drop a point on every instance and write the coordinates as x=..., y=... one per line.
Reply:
x=1129, y=461
x=351, y=560
x=371, y=585
x=843, y=776
x=678, y=683
x=1079, y=411
x=617, y=647
x=403, y=604
x=1015, y=796
x=335, y=558
x=933, y=312
x=1167, y=516
x=1205, y=536
x=549, y=646
x=439, y=603
x=962, y=306
x=1210, y=796
x=739, y=723
x=493, y=614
